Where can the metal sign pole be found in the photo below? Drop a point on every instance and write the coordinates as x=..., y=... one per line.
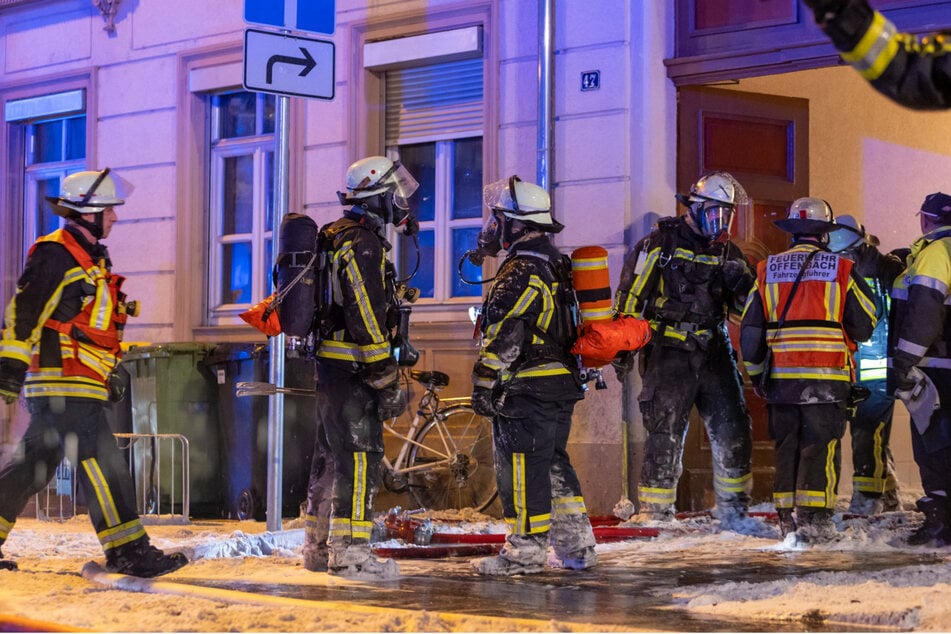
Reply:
x=275, y=410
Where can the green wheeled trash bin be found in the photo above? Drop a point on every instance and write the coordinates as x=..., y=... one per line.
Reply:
x=173, y=394
x=244, y=436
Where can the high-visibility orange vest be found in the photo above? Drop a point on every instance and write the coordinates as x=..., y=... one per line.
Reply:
x=811, y=343
x=90, y=341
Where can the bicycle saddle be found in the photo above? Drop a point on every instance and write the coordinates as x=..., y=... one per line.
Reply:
x=434, y=377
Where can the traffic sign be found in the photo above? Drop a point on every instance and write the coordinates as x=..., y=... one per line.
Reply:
x=318, y=16
x=287, y=65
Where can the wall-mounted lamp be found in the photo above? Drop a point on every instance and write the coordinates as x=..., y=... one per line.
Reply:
x=108, y=9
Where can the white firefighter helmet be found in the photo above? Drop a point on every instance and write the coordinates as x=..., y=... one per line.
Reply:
x=811, y=216
x=518, y=200
x=712, y=202
x=850, y=233
x=89, y=192
x=377, y=174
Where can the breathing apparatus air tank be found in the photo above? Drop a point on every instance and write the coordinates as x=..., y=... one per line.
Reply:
x=602, y=334
x=295, y=278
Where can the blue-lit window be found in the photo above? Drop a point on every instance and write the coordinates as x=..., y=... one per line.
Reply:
x=448, y=206
x=241, y=201
x=55, y=148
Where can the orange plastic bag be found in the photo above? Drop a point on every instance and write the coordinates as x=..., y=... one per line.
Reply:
x=601, y=341
x=263, y=316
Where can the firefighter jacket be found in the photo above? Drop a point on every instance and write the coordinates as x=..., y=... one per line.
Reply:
x=921, y=332
x=527, y=327
x=683, y=283
x=910, y=71
x=807, y=358
x=358, y=328
x=65, y=322
x=879, y=271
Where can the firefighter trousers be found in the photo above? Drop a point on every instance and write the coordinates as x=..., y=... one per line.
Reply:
x=319, y=491
x=533, y=470
x=75, y=428
x=347, y=410
x=870, y=428
x=674, y=380
x=808, y=453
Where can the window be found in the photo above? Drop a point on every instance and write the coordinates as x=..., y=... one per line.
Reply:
x=241, y=201
x=433, y=126
x=449, y=208
x=55, y=148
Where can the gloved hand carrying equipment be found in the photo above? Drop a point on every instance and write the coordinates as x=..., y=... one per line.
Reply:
x=483, y=402
x=391, y=401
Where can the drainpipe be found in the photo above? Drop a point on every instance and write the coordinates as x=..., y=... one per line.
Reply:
x=546, y=94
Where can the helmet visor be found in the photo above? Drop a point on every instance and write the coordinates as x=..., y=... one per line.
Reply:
x=844, y=239
x=497, y=195
x=715, y=219
x=404, y=185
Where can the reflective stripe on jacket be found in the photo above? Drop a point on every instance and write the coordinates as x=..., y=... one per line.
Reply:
x=81, y=319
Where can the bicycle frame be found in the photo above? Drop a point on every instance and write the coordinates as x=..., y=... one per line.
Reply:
x=430, y=406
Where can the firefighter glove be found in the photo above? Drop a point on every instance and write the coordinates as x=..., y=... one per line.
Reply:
x=483, y=402
x=391, y=401
x=12, y=377
x=623, y=364
x=737, y=277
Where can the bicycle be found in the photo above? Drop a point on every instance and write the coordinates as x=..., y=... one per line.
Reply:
x=446, y=459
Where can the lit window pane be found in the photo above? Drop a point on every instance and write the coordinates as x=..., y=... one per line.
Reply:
x=467, y=179
x=45, y=220
x=48, y=141
x=462, y=241
x=268, y=263
x=424, y=279
x=236, y=273
x=269, y=193
x=237, y=214
x=420, y=160
x=236, y=112
x=75, y=138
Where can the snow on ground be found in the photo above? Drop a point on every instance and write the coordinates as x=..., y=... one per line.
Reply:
x=51, y=554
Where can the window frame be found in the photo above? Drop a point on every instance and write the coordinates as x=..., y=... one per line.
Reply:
x=258, y=146
x=367, y=117
x=12, y=160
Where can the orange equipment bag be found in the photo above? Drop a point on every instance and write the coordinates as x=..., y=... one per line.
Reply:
x=263, y=316
x=601, y=341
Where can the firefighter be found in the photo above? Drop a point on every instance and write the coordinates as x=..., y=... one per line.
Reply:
x=910, y=71
x=685, y=277
x=801, y=320
x=357, y=382
x=60, y=347
x=920, y=358
x=874, y=485
x=527, y=381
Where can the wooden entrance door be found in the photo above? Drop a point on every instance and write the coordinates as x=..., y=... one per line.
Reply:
x=763, y=141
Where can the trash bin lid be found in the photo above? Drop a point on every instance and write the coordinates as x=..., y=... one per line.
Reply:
x=225, y=352
x=164, y=350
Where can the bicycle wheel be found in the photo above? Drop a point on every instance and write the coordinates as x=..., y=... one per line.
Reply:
x=453, y=466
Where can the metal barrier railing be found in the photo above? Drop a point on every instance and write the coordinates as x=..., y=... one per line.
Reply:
x=147, y=458
x=57, y=502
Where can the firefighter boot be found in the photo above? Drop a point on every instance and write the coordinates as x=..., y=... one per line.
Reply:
x=521, y=555
x=141, y=559
x=815, y=526
x=936, y=529
x=316, y=557
x=787, y=524
x=863, y=504
x=890, y=501
x=7, y=564
x=355, y=559
x=572, y=539
x=651, y=512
